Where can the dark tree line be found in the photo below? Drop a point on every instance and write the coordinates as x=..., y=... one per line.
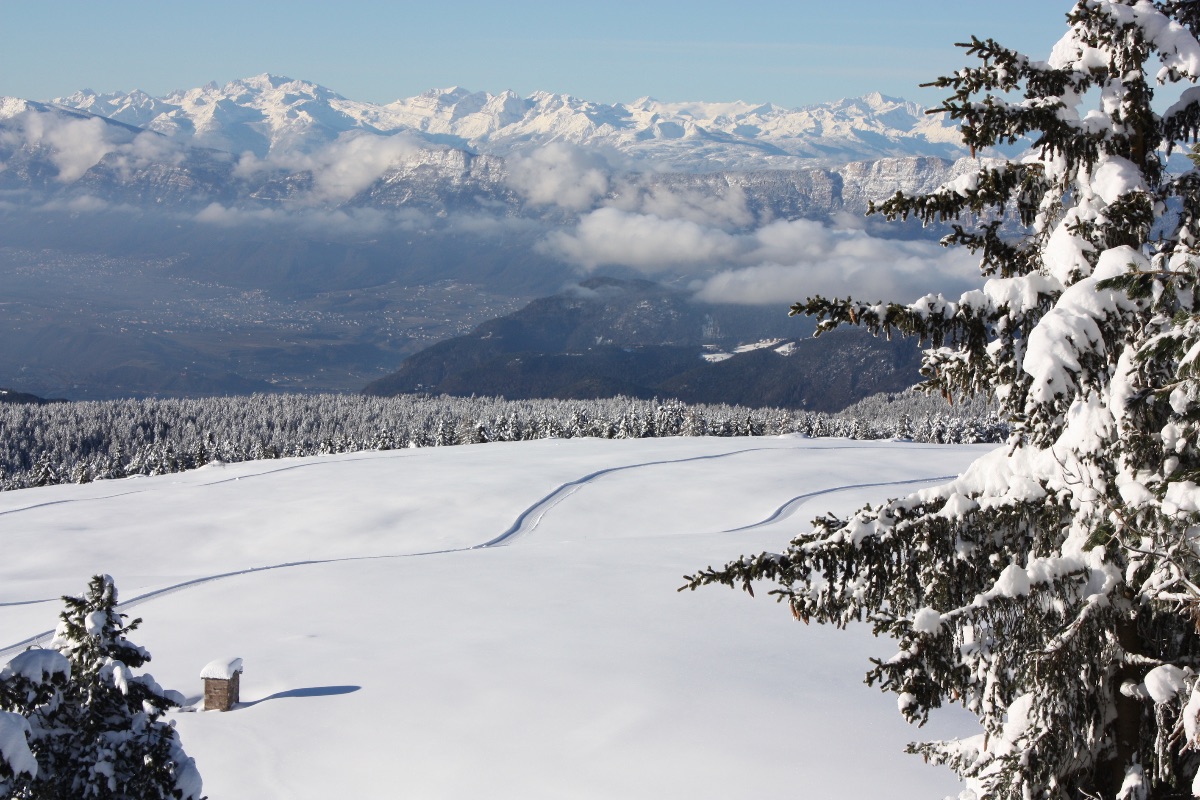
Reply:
x=42, y=445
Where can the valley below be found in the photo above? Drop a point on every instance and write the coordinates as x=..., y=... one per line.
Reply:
x=84, y=326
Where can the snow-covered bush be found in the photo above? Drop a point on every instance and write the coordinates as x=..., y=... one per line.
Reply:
x=1054, y=588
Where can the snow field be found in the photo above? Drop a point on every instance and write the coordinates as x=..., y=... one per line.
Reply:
x=560, y=664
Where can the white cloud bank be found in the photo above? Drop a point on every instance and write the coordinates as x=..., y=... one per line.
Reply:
x=559, y=174
x=73, y=145
x=340, y=169
x=645, y=242
x=782, y=261
x=726, y=209
x=801, y=258
x=708, y=232
x=76, y=144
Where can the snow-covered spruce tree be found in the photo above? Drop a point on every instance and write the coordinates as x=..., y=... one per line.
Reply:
x=31, y=692
x=1054, y=588
x=105, y=738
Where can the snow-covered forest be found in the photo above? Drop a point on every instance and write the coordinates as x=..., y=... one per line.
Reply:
x=42, y=445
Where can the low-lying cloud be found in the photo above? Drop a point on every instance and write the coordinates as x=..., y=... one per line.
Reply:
x=340, y=169
x=344, y=222
x=725, y=209
x=74, y=145
x=646, y=242
x=577, y=179
x=706, y=229
x=559, y=174
x=861, y=266
x=778, y=262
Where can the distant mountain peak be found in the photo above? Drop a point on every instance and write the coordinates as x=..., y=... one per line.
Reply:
x=878, y=100
x=12, y=106
x=269, y=79
x=448, y=94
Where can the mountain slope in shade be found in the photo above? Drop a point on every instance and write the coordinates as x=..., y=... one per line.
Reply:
x=642, y=340
x=269, y=114
x=13, y=396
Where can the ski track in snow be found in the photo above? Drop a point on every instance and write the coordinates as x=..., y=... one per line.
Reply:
x=791, y=506
x=193, y=486
x=527, y=522
x=531, y=517
x=66, y=502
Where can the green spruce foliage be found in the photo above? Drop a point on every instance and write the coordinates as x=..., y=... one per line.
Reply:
x=1054, y=588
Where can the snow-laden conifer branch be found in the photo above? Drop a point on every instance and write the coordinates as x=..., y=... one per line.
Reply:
x=1052, y=589
x=973, y=192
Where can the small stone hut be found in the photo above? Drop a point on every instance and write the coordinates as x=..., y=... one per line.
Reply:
x=222, y=683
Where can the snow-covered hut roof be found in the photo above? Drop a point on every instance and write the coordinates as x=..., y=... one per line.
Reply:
x=222, y=668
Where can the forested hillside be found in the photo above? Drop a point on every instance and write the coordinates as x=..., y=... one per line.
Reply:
x=79, y=442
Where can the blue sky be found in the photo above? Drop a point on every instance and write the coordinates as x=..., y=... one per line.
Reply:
x=791, y=53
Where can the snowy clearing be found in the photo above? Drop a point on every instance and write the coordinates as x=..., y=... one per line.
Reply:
x=492, y=620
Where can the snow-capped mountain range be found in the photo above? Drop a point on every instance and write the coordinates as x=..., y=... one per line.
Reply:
x=271, y=115
x=270, y=142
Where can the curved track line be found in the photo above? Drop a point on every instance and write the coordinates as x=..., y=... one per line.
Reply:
x=28, y=602
x=130, y=603
x=403, y=454
x=314, y=463
x=68, y=501
x=789, y=508
x=234, y=479
x=519, y=528
x=528, y=522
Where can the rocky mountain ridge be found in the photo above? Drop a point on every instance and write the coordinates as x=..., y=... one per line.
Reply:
x=270, y=142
